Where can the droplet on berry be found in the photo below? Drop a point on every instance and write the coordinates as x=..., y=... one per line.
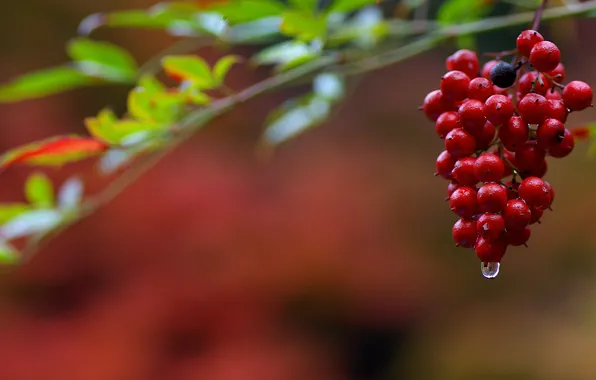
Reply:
x=490, y=269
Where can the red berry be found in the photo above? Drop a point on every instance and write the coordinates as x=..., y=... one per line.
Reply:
x=451, y=188
x=549, y=133
x=490, y=251
x=454, y=85
x=534, y=192
x=533, y=108
x=488, y=66
x=435, y=104
x=529, y=82
x=464, y=60
x=529, y=156
x=517, y=214
x=480, y=89
x=492, y=197
x=498, y=109
x=536, y=215
x=508, y=160
x=537, y=170
x=463, y=171
x=551, y=191
x=463, y=202
x=490, y=226
x=460, y=143
x=485, y=136
x=517, y=237
x=514, y=134
x=445, y=164
x=558, y=74
x=526, y=41
x=545, y=56
x=512, y=190
x=489, y=167
x=446, y=122
x=472, y=115
x=553, y=95
x=464, y=233
x=557, y=109
x=577, y=95
x=564, y=145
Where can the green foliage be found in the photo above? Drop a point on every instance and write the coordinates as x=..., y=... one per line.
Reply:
x=458, y=11
x=39, y=191
x=102, y=60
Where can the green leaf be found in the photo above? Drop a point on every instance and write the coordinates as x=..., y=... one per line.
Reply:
x=303, y=26
x=365, y=29
x=223, y=66
x=286, y=54
x=191, y=68
x=294, y=117
x=103, y=59
x=9, y=211
x=239, y=11
x=70, y=194
x=458, y=11
x=43, y=83
x=8, y=253
x=123, y=132
x=155, y=107
x=263, y=30
x=346, y=6
x=39, y=190
x=305, y=5
x=151, y=84
x=30, y=223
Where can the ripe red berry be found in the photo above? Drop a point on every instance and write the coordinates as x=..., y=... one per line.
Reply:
x=563, y=147
x=488, y=66
x=490, y=226
x=472, y=115
x=537, y=170
x=545, y=56
x=463, y=171
x=464, y=60
x=577, y=95
x=529, y=156
x=498, y=109
x=453, y=185
x=536, y=215
x=485, y=136
x=435, y=104
x=533, y=108
x=463, y=202
x=490, y=251
x=531, y=82
x=517, y=214
x=492, y=197
x=480, y=89
x=517, y=237
x=512, y=190
x=489, y=167
x=446, y=122
x=464, y=233
x=514, y=134
x=445, y=164
x=526, y=41
x=454, y=85
x=557, y=109
x=558, y=74
x=553, y=95
x=551, y=191
x=460, y=143
x=549, y=133
x=534, y=192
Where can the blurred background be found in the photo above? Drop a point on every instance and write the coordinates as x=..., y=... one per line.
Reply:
x=333, y=260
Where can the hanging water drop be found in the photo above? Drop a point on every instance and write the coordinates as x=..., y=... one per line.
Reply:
x=490, y=269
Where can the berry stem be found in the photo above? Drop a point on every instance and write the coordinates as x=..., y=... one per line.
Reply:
x=538, y=15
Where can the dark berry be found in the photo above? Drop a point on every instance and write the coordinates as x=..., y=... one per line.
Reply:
x=503, y=74
x=488, y=66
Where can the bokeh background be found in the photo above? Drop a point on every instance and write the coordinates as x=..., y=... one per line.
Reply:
x=332, y=260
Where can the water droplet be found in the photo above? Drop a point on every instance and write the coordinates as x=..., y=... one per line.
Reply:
x=490, y=269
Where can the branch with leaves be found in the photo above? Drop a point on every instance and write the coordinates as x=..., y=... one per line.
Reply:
x=300, y=40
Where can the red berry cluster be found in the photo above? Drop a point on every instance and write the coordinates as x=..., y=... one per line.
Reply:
x=499, y=123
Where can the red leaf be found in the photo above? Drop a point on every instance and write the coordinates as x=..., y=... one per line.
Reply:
x=54, y=152
x=581, y=133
